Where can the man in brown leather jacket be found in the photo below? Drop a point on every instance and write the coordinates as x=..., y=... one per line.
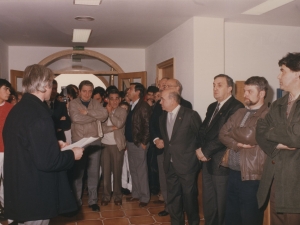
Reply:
x=244, y=157
x=137, y=136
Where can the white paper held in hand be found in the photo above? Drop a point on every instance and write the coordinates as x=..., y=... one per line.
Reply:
x=81, y=143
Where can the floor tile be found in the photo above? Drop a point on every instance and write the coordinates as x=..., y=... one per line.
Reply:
x=141, y=220
x=116, y=221
x=112, y=214
x=88, y=216
x=90, y=222
x=136, y=212
x=156, y=210
x=162, y=219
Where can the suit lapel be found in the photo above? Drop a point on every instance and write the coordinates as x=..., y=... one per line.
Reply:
x=164, y=123
x=178, y=121
x=223, y=109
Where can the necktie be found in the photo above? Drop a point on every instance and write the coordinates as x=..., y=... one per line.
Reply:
x=215, y=113
x=51, y=105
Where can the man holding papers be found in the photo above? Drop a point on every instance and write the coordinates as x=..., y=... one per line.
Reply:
x=86, y=116
x=36, y=184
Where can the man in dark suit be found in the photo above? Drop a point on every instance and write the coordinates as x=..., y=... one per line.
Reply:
x=214, y=176
x=179, y=128
x=155, y=134
x=60, y=114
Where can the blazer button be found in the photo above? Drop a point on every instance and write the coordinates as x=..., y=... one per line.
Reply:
x=273, y=162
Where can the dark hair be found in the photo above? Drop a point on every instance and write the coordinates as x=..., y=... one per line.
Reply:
x=228, y=79
x=5, y=83
x=71, y=92
x=292, y=61
x=54, y=82
x=139, y=87
x=122, y=94
x=152, y=89
x=261, y=83
x=85, y=83
x=125, y=103
x=113, y=91
x=109, y=88
x=99, y=90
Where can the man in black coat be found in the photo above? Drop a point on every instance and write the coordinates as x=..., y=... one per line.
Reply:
x=60, y=114
x=179, y=128
x=214, y=177
x=36, y=185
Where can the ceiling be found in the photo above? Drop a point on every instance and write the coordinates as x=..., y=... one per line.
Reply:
x=122, y=23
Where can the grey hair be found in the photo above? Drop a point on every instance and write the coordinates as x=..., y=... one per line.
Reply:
x=37, y=78
x=175, y=95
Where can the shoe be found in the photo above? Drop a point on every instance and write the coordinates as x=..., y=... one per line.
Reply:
x=131, y=199
x=95, y=207
x=118, y=202
x=125, y=191
x=143, y=204
x=158, y=202
x=163, y=213
x=104, y=203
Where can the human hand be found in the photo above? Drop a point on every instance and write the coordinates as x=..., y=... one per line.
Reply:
x=78, y=152
x=241, y=145
x=159, y=143
x=284, y=147
x=63, y=118
x=201, y=156
x=143, y=146
x=62, y=144
x=109, y=108
x=83, y=111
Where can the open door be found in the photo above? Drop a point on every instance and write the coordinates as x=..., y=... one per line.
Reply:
x=16, y=78
x=124, y=79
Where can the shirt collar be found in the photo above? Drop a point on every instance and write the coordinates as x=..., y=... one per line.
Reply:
x=134, y=104
x=175, y=111
x=223, y=102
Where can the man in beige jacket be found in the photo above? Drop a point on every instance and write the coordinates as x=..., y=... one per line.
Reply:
x=113, y=148
x=86, y=115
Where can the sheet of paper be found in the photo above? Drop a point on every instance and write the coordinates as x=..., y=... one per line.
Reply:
x=81, y=143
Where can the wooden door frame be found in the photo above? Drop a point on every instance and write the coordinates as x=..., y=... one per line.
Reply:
x=161, y=66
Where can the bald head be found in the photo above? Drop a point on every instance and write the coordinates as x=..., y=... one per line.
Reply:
x=174, y=85
x=170, y=99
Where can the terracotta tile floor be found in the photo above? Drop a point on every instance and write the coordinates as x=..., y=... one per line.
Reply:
x=127, y=214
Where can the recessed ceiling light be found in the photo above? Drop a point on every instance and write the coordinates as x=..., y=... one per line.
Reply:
x=84, y=18
x=81, y=35
x=87, y=2
x=266, y=7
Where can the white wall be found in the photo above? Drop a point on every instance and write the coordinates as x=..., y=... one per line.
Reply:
x=197, y=47
x=4, y=60
x=130, y=60
x=254, y=50
x=177, y=44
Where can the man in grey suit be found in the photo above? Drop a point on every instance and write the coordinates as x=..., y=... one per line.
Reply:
x=179, y=127
x=113, y=152
x=85, y=113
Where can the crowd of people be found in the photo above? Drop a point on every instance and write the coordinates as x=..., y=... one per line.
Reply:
x=151, y=142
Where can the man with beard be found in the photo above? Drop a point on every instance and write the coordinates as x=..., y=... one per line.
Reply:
x=244, y=157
